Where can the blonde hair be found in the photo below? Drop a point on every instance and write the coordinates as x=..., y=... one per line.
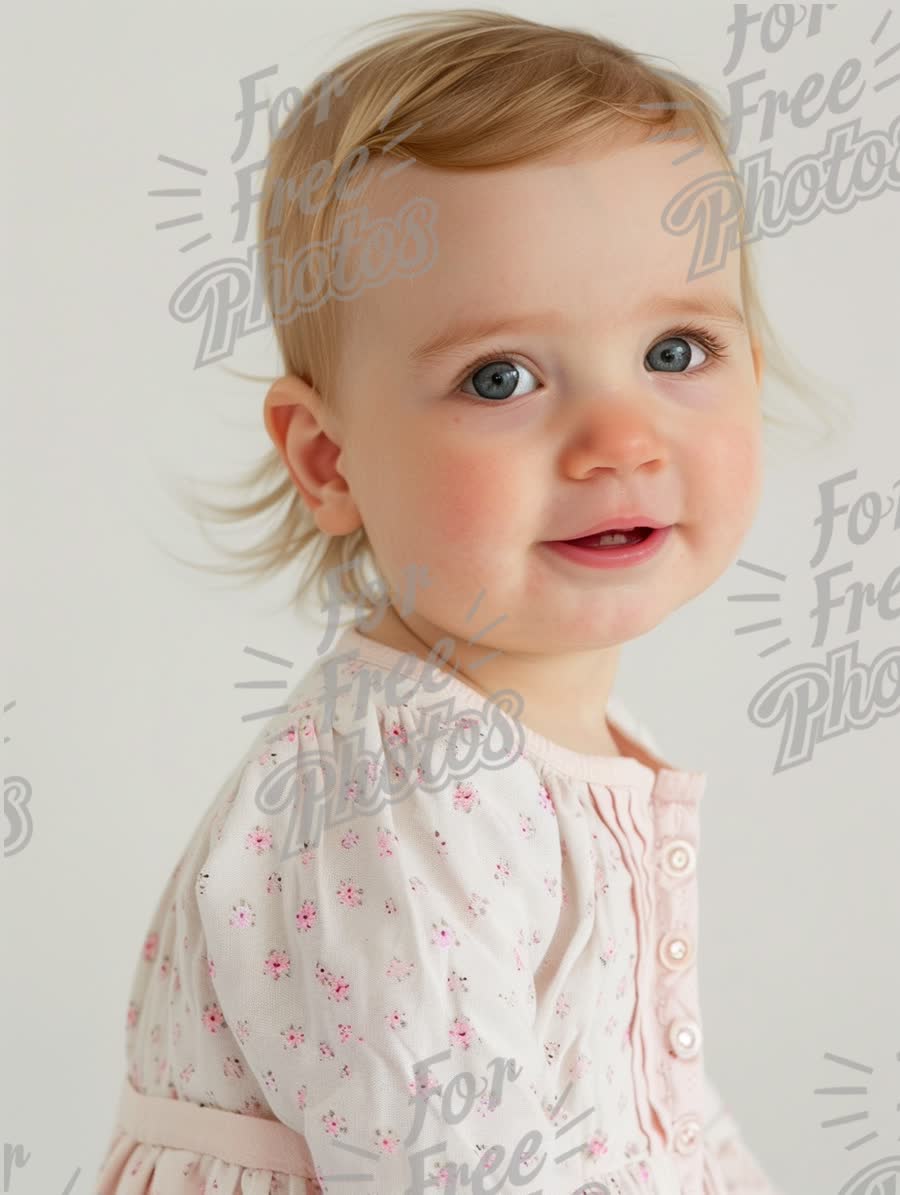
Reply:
x=456, y=89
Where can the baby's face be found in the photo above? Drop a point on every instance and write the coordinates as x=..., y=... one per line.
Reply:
x=466, y=472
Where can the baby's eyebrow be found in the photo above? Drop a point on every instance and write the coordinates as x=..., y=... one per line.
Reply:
x=713, y=305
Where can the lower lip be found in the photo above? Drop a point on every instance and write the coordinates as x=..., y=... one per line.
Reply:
x=618, y=556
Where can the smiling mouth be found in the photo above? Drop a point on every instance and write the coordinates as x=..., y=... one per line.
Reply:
x=614, y=538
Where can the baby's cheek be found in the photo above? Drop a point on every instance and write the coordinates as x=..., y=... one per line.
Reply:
x=469, y=501
x=733, y=465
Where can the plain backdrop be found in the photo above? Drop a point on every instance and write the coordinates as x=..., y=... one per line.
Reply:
x=124, y=666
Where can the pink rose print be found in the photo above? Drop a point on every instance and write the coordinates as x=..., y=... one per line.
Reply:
x=301, y=1096
x=397, y=733
x=597, y=1147
x=526, y=827
x=465, y=797
x=150, y=946
x=398, y=970
x=457, y=982
x=387, y=1143
x=395, y=1020
x=325, y=1050
x=258, y=840
x=242, y=1031
x=307, y=915
x=385, y=844
x=233, y=1068
x=545, y=800
x=562, y=1005
x=349, y=894
x=351, y=791
x=390, y=906
x=273, y=883
x=502, y=871
x=461, y=1033
x=277, y=964
x=443, y=936
x=350, y=839
x=242, y=915
x=213, y=1018
x=292, y=1037
x=340, y=989
x=131, y=1018
x=579, y=1066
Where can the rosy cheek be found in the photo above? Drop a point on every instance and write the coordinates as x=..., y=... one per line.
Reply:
x=732, y=467
x=468, y=500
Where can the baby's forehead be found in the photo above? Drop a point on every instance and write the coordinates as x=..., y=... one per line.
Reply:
x=578, y=232
x=613, y=171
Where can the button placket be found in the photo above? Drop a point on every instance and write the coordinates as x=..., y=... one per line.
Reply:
x=675, y=806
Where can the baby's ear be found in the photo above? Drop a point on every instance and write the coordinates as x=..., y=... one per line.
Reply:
x=281, y=401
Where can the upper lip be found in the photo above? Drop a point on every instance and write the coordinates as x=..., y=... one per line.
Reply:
x=618, y=523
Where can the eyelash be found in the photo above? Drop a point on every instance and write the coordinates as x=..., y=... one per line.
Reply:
x=705, y=337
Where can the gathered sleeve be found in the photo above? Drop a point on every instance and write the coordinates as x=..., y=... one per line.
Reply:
x=380, y=979
x=730, y=1166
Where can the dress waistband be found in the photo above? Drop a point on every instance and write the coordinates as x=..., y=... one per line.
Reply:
x=254, y=1142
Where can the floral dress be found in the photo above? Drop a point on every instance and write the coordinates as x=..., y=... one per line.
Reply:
x=413, y=945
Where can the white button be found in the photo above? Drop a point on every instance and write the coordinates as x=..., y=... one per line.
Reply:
x=675, y=951
x=679, y=858
x=685, y=1038
x=687, y=1134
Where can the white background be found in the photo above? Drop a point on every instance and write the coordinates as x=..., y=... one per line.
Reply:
x=123, y=665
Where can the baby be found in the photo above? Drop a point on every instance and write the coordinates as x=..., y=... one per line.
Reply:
x=504, y=388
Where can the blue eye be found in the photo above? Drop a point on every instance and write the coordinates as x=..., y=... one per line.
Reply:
x=674, y=355
x=497, y=379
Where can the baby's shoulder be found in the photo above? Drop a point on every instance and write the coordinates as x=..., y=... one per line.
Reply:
x=358, y=761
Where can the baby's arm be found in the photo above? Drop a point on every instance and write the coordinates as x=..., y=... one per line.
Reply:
x=731, y=1168
x=378, y=984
